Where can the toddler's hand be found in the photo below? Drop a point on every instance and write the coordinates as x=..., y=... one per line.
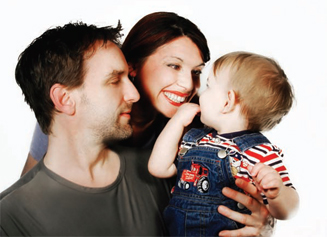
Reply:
x=186, y=113
x=267, y=180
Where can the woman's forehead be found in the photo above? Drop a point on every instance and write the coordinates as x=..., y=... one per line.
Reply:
x=182, y=49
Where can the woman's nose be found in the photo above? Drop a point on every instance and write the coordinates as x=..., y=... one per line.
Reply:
x=185, y=81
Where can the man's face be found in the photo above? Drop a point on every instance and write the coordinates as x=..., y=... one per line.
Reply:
x=107, y=95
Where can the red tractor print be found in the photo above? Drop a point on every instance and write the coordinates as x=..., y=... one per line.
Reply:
x=198, y=175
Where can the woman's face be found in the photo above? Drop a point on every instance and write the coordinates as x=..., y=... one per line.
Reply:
x=171, y=75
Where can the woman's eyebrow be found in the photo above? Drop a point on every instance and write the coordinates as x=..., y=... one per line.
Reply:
x=178, y=58
x=200, y=65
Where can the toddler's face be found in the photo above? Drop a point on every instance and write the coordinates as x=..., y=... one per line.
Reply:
x=214, y=97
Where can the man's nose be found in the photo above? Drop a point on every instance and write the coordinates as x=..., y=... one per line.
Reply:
x=130, y=93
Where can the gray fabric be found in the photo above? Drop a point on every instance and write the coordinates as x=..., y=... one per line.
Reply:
x=43, y=203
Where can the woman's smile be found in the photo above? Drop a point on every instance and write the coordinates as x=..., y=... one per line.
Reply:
x=176, y=98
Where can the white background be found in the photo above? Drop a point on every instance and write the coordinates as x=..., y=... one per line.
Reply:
x=294, y=32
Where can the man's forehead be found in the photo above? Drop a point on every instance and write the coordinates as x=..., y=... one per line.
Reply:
x=107, y=61
x=98, y=45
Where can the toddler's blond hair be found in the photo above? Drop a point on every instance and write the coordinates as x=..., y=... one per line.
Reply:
x=261, y=88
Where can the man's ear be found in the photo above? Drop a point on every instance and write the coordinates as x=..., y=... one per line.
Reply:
x=230, y=102
x=61, y=99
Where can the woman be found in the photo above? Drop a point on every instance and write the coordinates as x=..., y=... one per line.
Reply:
x=166, y=54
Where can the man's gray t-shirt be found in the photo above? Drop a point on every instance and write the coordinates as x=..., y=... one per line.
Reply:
x=43, y=203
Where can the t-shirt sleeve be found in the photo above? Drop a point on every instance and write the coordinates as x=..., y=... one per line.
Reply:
x=269, y=155
x=39, y=145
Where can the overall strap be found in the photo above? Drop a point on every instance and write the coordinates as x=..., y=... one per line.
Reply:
x=247, y=141
x=195, y=134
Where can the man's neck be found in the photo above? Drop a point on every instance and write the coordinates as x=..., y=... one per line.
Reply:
x=80, y=163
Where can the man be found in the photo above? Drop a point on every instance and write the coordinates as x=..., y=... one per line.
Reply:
x=75, y=79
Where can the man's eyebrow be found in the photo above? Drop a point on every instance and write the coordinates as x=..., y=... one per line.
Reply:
x=116, y=73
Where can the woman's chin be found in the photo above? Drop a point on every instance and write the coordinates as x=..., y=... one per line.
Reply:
x=169, y=111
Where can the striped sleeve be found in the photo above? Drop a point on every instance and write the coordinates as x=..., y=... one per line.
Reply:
x=269, y=155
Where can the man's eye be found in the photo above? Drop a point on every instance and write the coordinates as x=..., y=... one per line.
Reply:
x=114, y=81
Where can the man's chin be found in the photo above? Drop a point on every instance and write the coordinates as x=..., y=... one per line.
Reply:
x=127, y=131
x=119, y=135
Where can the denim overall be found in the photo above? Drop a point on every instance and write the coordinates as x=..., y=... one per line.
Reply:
x=202, y=174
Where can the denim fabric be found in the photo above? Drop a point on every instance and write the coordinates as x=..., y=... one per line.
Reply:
x=192, y=211
x=250, y=140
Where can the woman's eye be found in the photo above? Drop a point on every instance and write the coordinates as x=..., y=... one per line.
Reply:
x=197, y=72
x=174, y=66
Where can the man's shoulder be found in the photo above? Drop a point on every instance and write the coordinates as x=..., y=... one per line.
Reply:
x=20, y=183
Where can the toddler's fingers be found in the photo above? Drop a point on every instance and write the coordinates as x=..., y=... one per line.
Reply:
x=256, y=169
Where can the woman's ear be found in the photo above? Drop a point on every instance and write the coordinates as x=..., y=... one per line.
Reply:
x=62, y=100
x=131, y=70
x=230, y=102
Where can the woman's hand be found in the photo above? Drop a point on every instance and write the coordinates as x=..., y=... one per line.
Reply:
x=259, y=223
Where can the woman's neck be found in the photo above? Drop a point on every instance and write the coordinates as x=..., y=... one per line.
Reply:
x=143, y=114
x=143, y=117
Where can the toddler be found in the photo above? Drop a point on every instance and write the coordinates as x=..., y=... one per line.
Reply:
x=246, y=93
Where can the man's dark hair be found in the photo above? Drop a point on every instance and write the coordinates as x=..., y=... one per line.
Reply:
x=57, y=56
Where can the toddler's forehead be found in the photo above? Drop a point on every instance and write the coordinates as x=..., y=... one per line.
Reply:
x=224, y=71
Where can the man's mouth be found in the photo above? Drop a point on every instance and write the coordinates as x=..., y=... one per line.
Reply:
x=176, y=98
x=126, y=113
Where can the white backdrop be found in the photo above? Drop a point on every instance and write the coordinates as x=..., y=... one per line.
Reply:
x=293, y=32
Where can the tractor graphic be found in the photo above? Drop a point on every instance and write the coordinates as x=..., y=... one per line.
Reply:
x=198, y=175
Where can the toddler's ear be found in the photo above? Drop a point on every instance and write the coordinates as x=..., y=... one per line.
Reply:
x=61, y=99
x=230, y=102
